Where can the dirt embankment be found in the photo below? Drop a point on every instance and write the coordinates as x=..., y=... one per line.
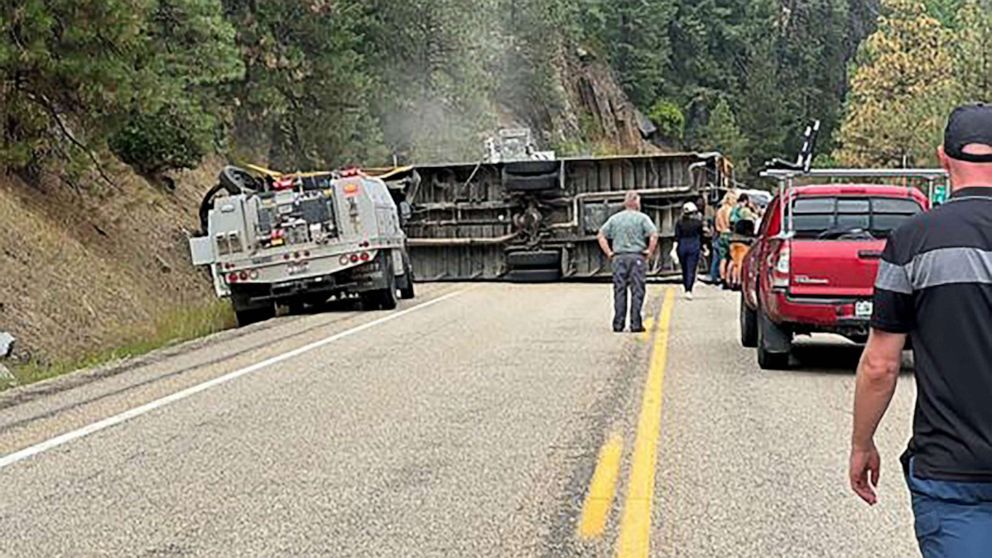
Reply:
x=86, y=270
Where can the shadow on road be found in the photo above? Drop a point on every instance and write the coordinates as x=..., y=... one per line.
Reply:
x=331, y=305
x=833, y=356
x=826, y=356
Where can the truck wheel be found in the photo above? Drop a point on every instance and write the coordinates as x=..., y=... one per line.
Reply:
x=406, y=286
x=749, y=325
x=388, y=300
x=531, y=176
x=531, y=167
x=407, y=291
x=384, y=298
x=235, y=180
x=537, y=183
x=533, y=275
x=774, y=344
x=248, y=316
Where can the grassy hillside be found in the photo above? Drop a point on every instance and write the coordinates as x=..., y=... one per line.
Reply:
x=102, y=268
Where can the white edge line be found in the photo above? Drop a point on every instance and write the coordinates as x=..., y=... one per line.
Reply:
x=114, y=420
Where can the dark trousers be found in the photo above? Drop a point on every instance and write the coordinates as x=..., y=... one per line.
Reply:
x=629, y=272
x=689, y=259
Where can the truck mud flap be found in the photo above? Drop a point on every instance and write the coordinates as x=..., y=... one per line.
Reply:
x=774, y=338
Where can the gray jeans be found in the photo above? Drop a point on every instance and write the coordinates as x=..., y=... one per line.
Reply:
x=629, y=272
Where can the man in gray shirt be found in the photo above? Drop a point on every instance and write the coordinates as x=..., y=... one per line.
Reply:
x=634, y=238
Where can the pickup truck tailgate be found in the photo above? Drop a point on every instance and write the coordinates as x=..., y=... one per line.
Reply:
x=834, y=268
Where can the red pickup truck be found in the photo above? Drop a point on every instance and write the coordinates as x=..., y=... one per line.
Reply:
x=812, y=268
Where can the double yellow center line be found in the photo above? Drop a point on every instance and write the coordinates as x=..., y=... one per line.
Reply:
x=635, y=523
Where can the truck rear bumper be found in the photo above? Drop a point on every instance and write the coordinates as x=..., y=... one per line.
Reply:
x=818, y=315
x=366, y=277
x=261, y=293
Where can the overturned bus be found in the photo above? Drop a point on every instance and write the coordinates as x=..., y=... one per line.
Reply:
x=537, y=220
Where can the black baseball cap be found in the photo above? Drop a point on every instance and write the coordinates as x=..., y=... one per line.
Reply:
x=969, y=124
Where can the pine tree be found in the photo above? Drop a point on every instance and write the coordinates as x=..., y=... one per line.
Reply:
x=69, y=73
x=766, y=117
x=305, y=101
x=199, y=57
x=901, y=91
x=813, y=75
x=633, y=35
x=723, y=134
x=639, y=49
x=77, y=72
x=534, y=36
x=972, y=49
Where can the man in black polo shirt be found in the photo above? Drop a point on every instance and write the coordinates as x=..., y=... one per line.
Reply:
x=935, y=286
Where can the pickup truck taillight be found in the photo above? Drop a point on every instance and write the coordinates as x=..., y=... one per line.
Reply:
x=780, y=273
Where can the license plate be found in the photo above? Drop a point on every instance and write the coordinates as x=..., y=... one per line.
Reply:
x=863, y=308
x=297, y=268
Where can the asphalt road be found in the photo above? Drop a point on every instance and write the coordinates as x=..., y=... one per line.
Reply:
x=478, y=420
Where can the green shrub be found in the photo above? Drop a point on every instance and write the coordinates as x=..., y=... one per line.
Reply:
x=166, y=140
x=669, y=119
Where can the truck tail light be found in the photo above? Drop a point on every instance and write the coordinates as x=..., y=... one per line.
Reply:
x=232, y=277
x=343, y=260
x=365, y=256
x=781, y=271
x=354, y=258
x=243, y=276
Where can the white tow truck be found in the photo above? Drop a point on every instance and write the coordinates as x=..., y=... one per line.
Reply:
x=299, y=239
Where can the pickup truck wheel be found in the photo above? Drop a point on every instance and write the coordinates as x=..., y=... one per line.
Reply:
x=749, y=325
x=774, y=344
